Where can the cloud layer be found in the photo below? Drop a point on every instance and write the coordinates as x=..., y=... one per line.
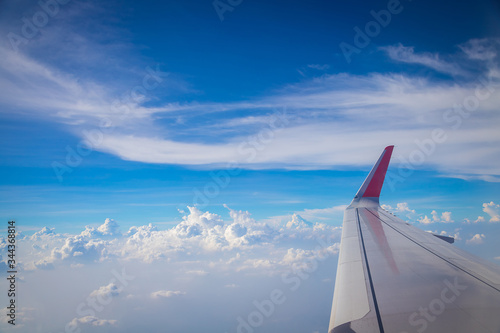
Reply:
x=149, y=271
x=152, y=268
x=333, y=120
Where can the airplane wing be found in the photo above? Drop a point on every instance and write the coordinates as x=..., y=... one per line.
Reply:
x=395, y=278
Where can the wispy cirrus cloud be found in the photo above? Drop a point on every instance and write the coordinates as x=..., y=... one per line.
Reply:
x=481, y=49
x=331, y=121
x=408, y=55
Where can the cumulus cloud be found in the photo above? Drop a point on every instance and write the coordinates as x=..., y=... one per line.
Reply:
x=43, y=264
x=105, y=292
x=425, y=220
x=108, y=228
x=455, y=234
x=401, y=208
x=80, y=248
x=479, y=219
x=302, y=259
x=435, y=218
x=166, y=293
x=43, y=232
x=297, y=222
x=493, y=210
x=446, y=217
x=199, y=233
x=387, y=207
x=225, y=252
x=92, y=321
x=476, y=239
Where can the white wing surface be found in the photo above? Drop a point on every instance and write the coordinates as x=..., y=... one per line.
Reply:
x=393, y=277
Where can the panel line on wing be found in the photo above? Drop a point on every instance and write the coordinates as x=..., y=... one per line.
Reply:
x=377, y=311
x=434, y=253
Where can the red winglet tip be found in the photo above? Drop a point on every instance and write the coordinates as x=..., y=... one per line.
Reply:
x=375, y=186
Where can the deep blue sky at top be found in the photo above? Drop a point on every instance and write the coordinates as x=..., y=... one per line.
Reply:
x=259, y=49
x=260, y=44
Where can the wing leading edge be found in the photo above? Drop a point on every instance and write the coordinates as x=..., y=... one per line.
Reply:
x=394, y=277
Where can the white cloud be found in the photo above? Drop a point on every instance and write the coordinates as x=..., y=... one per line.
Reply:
x=425, y=220
x=307, y=217
x=43, y=264
x=481, y=49
x=446, y=217
x=319, y=67
x=407, y=54
x=166, y=293
x=386, y=207
x=322, y=214
x=338, y=103
x=302, y=259
x=43, y=232
x=479, y=219
x=198, y=272
x=80, y=248
x=297, y=222
x=435, y=218
x=309, y=140
x=476, y=239
x=28, y=315
x=403, y=208
x=493, y=210
x=110, y=290
x=455, y=234
x=108, y=228
x=198, y=234
x=92, y=321
x=204, y=254
x=486, y=178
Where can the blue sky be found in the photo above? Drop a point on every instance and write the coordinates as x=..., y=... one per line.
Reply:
x=134, y=111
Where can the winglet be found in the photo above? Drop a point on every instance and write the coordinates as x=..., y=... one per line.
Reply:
x=373, y=183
